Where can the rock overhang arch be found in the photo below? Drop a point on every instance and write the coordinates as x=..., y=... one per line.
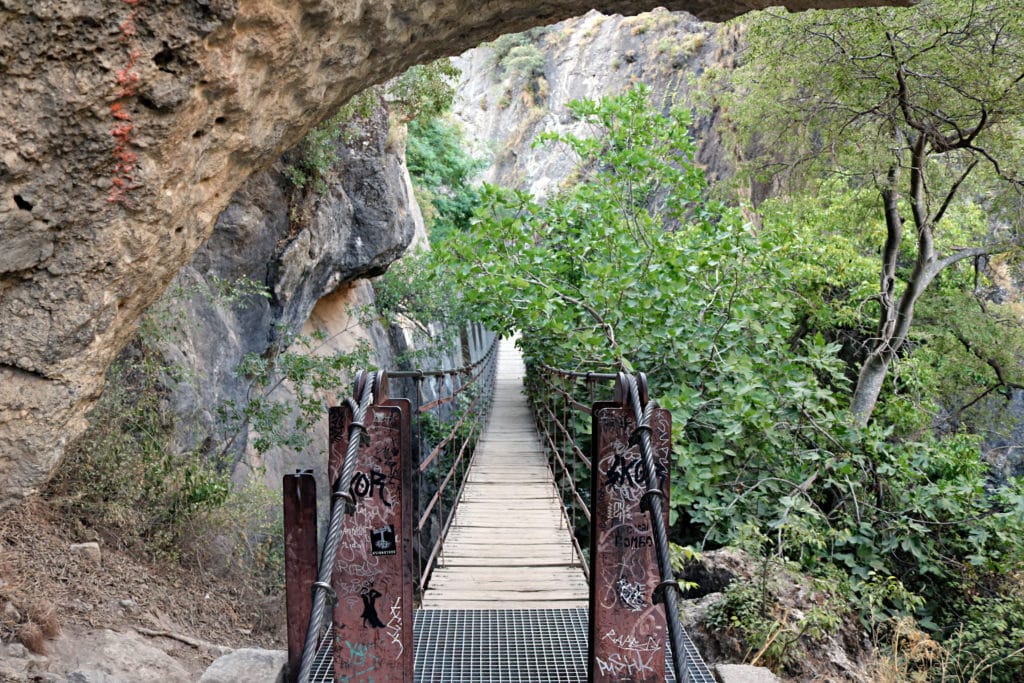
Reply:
x=127, y=126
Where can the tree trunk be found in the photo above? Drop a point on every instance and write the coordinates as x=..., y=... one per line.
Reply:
x=869, y=386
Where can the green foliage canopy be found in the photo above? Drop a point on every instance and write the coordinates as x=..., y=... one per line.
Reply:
x=633, y=267
x=848, y=92
x=923, y=105
x=441, y=171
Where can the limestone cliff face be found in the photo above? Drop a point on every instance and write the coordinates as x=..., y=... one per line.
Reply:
x=125, y=128
x=313, y=252
x=588, y=57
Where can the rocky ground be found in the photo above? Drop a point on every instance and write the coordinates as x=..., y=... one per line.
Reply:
x=838, y=653
x=83, y=613
x=78, y=610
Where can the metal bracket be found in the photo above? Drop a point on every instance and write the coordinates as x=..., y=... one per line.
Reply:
x=658, y=596
x=645, y=500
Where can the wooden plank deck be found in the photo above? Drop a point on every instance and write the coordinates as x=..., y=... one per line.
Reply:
x=509, y=546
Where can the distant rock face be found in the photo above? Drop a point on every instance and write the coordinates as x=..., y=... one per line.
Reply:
x=588, y=57
x=126, y=127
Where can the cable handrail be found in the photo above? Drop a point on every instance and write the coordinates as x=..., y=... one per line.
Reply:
x=652, y=501
x=559, y=438
x=414, y=374
x=470, y=423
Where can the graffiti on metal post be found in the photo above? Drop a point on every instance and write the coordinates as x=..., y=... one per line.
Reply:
x=395, y=624
x=370, y=576
x=382, y=540
x=627, y=630
x=364, y=484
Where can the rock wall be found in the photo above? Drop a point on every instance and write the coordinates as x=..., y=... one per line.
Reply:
x=127, y=126
x=502, y=113
x=313, y=253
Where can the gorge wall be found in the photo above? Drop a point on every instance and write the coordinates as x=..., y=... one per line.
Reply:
x=127, y=126
x=502, y=112
x=312, y=252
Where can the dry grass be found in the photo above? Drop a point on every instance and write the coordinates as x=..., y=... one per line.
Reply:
x=44, y=613
x=910, y=657
x=31, y=636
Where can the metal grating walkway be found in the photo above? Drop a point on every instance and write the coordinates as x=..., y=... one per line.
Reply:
x=503, y=646
x=507, y=646
x=509, y=546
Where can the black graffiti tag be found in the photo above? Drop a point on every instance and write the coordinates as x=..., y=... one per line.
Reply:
x=631, y=472
x=364, y=485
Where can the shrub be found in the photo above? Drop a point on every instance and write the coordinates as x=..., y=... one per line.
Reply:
x=525, y=61
x=441, y=171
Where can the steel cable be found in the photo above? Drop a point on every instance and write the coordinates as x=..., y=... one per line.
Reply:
x=687, y=664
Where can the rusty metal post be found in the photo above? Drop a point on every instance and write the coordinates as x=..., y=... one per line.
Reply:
x=408, y=465
x=420, y=482
x=373, y=574
x=339, y=418
x=627, y=630
x=300, y=561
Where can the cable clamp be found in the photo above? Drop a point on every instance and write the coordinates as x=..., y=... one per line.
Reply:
x=659, y=591
x=634, y=437
x=332, y=597
x=364, y=436
x=350, y=502
x=645, y=500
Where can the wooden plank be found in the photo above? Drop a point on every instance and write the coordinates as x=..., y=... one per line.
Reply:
x=508, y=546
x=428, y=603
x=537, y=582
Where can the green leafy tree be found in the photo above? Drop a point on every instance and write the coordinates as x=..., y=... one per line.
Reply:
x=633, y=267
x=503, y=49
x=961, y=359
x=425, y=91
x=922, y=105
x=441, y=171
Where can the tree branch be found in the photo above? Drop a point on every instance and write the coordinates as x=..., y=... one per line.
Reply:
x=890, y=254
x=994, y=364
x=607, y=329
x=973, y=252
x=952, y=192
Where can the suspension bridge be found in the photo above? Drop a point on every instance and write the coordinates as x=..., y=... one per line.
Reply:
x=478, y=535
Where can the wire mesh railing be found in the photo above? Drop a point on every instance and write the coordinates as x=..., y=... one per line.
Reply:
x=446, y=429
x=563, y=421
